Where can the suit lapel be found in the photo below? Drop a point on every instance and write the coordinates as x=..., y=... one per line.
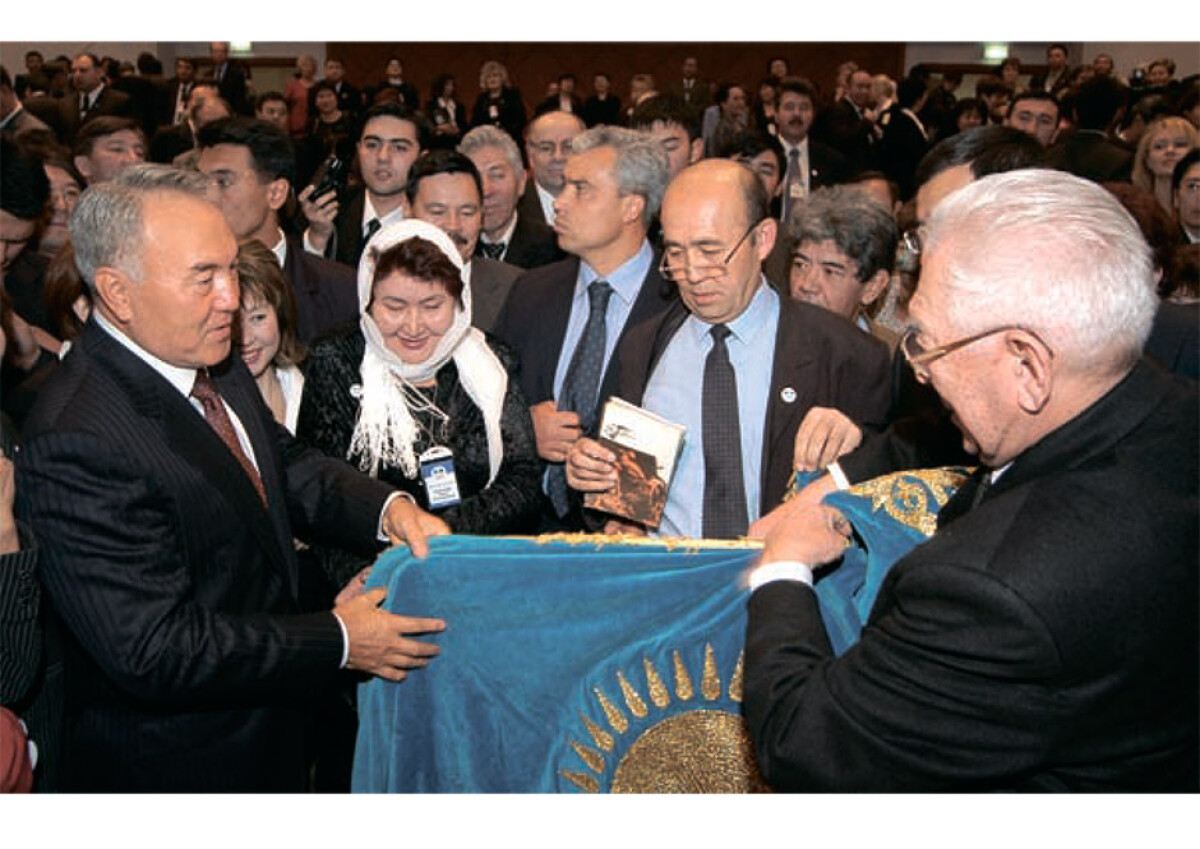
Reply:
x=791, y=397
x=192, y=439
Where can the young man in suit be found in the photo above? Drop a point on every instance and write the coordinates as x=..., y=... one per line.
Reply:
x=391, y=139
x=700, y=363
x=506, y=234
x=165, y=499
x=1044, y=638
x=444, y=188
x=252, y=165
x=566, y=320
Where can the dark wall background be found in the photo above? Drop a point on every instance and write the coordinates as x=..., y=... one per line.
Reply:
x=533, y=65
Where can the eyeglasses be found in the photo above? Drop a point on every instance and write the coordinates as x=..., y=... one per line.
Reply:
x=919, y=357
x=912, y=241
x=675, y=264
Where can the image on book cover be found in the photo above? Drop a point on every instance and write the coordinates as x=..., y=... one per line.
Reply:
x=639, y=495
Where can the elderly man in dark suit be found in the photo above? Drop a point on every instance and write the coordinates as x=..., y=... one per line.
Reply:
x=252, y=165
x=165, y=498
x=567, y=319
x=1045, y=637
x=507, y=234
x=701, y=363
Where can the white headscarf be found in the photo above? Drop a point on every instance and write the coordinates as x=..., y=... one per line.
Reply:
x=385, y=431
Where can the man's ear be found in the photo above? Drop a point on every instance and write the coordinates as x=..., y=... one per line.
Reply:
x=696, y=151
x=113, y=291
x=632, y=207
x=84, y=166
x=1031, y=365
x=874, y=287
x=277, y=193
x=768, y=230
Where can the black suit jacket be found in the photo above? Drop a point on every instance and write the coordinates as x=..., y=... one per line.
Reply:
x=170, y=142
x=824, y=359
x=232, y=87
x=1044, y=640
x=533, y=244
x=529, y=206
x=326, y=292
x=491, y=282
x=1092, y=155
x=190, y=661
x=901, y=148
x=534, y=323
x=846, y=131
x=110, y=102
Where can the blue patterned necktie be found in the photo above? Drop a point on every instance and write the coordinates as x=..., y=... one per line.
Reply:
x=582, y=381
x=724, y=490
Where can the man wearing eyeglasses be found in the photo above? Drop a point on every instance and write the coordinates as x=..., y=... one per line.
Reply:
x=733, y=362
x=547, y=144
x=1044, y=638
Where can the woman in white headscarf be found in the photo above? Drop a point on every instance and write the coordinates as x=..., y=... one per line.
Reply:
x=417, y=397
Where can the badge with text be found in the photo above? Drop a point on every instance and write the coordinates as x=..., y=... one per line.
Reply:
x=437, y=471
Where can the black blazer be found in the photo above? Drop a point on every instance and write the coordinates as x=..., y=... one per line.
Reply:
x=189, y=662
x=533, y=243
x=510, y=113
x=326, y=292
x=529, y=206
x=110, y=102
x=824, y=359
x=1044, y=640
x=1092, y=155
x=534, y=323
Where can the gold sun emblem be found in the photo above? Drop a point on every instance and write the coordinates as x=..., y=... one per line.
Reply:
x=702, y=749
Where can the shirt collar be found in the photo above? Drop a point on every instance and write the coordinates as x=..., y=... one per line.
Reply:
x=626, y=280
x=183, y=379
x=280, y=249
x=369, y=212
x=748, y=325
x=506, y=236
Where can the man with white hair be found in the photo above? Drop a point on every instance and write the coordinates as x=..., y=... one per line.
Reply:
x=506, y=234
x=1045, y=637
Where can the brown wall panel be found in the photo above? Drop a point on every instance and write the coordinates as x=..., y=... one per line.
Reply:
x=532, y=65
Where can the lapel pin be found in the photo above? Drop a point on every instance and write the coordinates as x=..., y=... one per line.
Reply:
x=356, y=390
x=788, y=394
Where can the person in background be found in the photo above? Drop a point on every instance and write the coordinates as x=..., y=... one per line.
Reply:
x=499, y=103
x=1166, y=141
x=66, y=184
x=266, y=333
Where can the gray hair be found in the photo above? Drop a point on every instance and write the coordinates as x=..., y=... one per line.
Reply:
x=862, y=228
x=106, y=226
x=486, y=135
x=641, y=169
x=1052, y=253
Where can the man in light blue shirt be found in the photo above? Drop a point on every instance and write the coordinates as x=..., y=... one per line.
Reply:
x=566, y=320
x=703, y=363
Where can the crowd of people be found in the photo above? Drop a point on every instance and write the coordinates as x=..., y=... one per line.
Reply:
x=250, y=341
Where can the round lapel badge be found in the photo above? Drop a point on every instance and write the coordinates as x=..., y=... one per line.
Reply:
x=787, y=394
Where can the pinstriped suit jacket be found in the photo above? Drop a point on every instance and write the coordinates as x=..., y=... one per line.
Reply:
x=189, y=663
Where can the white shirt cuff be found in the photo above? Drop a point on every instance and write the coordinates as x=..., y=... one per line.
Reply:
x=397, y=494
x=345, y=642
x=780, y=570
x=839, y=477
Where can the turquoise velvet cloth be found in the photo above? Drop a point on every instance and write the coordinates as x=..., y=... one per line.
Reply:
x=549, y=640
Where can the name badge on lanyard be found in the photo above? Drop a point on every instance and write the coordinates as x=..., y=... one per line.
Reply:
x=437, y=472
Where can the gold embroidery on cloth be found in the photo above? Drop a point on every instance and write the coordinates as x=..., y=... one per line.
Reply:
x=697, y=751
x=600, y=737
x=908, y=501
x=658, y=690
x=633, y=699
x=710, y=684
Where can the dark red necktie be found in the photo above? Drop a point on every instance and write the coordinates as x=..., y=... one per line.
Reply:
x=206, y=393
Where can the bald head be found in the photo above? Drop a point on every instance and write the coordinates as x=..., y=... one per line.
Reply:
x=735, y=179
x=548, y=143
